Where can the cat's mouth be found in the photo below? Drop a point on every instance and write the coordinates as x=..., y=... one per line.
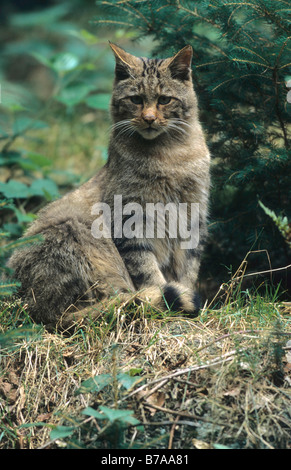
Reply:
x=150, y=132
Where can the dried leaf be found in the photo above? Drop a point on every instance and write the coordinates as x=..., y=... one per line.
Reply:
x=5, y=388
x=156, y=399
x=232, y=393
x=21, y=400
x=44, y=416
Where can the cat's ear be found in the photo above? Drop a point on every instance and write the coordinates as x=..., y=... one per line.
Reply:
x=125, y=62
x=180, y=64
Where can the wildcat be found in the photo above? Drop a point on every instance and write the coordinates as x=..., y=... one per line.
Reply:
x=157, y=154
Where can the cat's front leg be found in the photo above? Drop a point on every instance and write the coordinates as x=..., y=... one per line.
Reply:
x=151, y=284
x=140, y=260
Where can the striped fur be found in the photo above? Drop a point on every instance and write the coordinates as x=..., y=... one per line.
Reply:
x=157, y=154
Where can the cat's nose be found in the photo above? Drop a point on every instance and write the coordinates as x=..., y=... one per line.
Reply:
x=149, y=116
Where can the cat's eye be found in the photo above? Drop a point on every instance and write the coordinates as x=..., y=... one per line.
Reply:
x=136, y=99
x=164, y=99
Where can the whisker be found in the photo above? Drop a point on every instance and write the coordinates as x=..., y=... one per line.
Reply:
x=185, y=123
x=128, y=130
x=179, y=121
x=177, y=128
x=123, y=127
x=120, y=124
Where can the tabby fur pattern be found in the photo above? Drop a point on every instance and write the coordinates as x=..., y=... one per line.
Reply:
x=157, y=154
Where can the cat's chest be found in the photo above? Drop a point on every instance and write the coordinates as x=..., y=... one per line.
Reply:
x=153, y=185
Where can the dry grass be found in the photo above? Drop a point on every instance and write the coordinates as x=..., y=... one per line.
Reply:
x=222, y=380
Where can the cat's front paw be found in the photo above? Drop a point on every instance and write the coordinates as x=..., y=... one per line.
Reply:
x=181, y=299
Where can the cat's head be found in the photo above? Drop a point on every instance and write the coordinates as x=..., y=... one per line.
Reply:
x=152, y=96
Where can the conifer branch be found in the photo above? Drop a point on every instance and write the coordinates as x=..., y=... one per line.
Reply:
x=236, y=78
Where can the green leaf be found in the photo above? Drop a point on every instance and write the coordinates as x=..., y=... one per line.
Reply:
x=119, y=415
x=135, y=371
x=60, y=432
x=126, y=380
x=39, y=160
x=24, y=218
x=44, y=187
x=95, y=384
x=99, y=101
x=23, y=123
x=14, y=189
x=91, y=412
x=42, y=59
x=41, y=187
x=34, y=162
x=64, y=62
x=73, y=95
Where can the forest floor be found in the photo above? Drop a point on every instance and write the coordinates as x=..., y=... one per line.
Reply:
x=138, y=378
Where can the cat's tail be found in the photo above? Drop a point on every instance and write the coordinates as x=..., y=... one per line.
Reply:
x=172, y=296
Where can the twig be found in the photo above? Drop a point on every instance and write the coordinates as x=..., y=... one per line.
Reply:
x=186, y=382
x=262, y=272
x=224, y=358
x=159, y=385
x=172, y=432
x=164, y=423
x=227, y=335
